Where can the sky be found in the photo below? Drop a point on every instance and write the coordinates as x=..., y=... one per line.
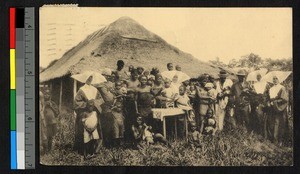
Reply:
x=206, y=33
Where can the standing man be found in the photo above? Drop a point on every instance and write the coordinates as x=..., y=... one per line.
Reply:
x=51, y=112
x=240, y=94
x=223, y=87
x=170, y=66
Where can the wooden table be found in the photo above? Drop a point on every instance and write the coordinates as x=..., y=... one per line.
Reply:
x=162, y=113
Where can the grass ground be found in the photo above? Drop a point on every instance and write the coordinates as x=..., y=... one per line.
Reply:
x=231, y=148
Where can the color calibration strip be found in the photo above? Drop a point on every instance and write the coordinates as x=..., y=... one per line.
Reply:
x=12, y=46
x=21, y=58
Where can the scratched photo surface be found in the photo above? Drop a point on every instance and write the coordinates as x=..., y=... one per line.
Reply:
x=165, y=86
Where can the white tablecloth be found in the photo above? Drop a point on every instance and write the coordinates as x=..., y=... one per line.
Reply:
x=160, y=113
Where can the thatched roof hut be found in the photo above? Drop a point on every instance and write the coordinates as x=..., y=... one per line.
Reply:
x=123, y=39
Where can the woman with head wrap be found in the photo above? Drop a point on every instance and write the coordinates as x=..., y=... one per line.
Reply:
x=276, y=116
x=258, y=97
x=85, y=94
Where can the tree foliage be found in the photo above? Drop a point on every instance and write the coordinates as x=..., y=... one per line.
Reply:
x=255, y=61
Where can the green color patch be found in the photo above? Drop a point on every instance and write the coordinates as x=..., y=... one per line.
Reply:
x=13, y=109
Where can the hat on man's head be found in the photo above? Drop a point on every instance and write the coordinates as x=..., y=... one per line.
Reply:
x=223, y=73
x=241, y=73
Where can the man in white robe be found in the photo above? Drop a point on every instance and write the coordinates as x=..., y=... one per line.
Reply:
x=223, y=89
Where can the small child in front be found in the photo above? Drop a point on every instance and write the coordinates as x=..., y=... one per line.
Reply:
x=151, y=137
x=209, y=124
x=90, y=132
x=143, y=132
x=194, y=136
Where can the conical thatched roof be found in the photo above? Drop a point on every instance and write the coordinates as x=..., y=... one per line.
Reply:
x=127, y=40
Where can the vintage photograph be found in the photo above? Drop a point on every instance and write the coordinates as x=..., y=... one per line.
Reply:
x=165, y=86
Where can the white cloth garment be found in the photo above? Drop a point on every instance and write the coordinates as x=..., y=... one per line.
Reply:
x=175, y=87
x=89, y=91
x=275, y=90
x=226, y=84
x=90, y=122
x=260, y=87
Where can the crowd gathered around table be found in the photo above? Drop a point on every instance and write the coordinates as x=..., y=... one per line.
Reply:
x=134, y=107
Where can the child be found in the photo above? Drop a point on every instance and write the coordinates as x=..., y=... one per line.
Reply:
x=192, y=94
x=151, y=137
x=169, y=93
x=146, y=73
x=90, y=132
x=138, y=132
x=142, y=132
x=140, y=70
x=183, y=102
x=120, y=91
x=150, y=82
x=118, y=124
x=209, y=87
x=194, y=136
x=209, y=124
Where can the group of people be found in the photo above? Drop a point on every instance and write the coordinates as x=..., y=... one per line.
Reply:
x=119, y=111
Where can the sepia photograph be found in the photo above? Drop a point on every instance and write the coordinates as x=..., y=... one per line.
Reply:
x=165, y=86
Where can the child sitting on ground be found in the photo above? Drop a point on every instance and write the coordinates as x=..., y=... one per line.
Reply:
x=194, y=136
x=142, y=132
x=90, y=132
x=209, y=123
x=138, y=131
x=151, y=137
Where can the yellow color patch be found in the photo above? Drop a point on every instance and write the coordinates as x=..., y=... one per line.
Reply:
x=12, y=69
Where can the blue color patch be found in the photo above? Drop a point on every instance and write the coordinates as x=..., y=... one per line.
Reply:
x=13, y=150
